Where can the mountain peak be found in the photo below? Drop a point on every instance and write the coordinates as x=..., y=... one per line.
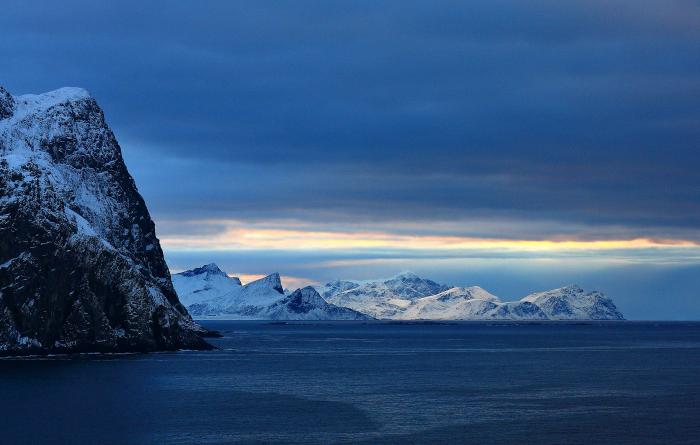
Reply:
x=60, y=95
x=207, y=269
x=406, y=275
x=33, y=103
x=411, y=286
x=306, y=303
x=571, y=288
x=471, y=292
x=212, y=267
x=273, y=280
x=307, y=295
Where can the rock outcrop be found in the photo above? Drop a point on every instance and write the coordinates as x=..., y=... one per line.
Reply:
x=81, y=269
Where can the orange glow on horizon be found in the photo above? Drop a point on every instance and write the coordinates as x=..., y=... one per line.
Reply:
x=250, y=238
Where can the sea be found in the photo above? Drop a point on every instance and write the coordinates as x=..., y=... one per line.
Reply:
x=372, y=383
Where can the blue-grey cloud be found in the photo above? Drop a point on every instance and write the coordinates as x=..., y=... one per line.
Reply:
x=582, y=112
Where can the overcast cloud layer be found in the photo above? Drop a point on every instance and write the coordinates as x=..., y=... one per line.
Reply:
x=505, y=119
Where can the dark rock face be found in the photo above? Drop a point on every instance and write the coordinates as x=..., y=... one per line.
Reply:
x=81, y=269
x=7, y=104
x=518, y=311
x=304, y=300
x=207, y=270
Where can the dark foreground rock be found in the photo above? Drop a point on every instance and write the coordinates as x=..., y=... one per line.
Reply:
x=81, y=269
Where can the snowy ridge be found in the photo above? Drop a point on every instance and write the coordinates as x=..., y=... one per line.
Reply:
x=272, y=281
x=208, y=293
x=452, y=304
x=382, y=298
x=409, y=297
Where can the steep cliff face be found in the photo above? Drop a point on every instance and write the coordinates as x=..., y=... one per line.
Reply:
x=81, y=268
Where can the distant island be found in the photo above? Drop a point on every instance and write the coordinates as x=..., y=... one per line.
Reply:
x=208, y=293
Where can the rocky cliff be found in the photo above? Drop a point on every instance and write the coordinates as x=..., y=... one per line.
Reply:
x=81, y=269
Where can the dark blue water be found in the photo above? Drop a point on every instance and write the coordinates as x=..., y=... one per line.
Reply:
x=616, y=383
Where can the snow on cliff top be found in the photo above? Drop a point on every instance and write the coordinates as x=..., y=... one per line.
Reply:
x=28, y=104
x=51, y=98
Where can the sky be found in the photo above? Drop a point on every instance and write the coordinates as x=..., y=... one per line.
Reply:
x=515, y=145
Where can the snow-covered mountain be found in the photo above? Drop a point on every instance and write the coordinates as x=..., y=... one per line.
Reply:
x=381, y=299
x=203, y=283
x=81, y=268
x=409, y=297
x=573, y=303
x=453, y=304
x=307, y=304
x=208, y=292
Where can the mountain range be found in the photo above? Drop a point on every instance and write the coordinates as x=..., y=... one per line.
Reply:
x=408, y=297
x=208, y=292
